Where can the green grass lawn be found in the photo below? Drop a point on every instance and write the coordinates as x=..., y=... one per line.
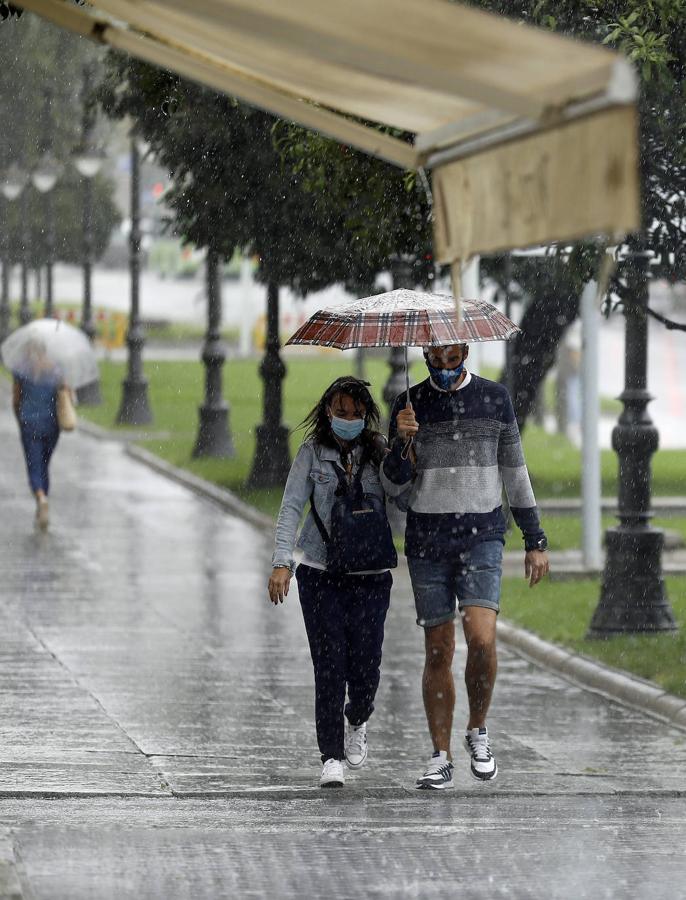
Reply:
x=555, y=467
x=561, y=612
x=176, y=390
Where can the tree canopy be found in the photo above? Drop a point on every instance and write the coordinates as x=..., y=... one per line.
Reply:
x=34, y=54
x=385, y=211
x=231, y=188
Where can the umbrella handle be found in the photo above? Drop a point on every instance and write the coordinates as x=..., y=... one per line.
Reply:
x=405, y=452
x=407, y=375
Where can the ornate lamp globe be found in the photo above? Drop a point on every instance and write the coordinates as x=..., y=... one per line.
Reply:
x=14, y=183
x=89, y=161
x=46, y=173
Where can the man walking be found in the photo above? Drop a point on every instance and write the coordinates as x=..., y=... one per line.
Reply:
x=465, y=447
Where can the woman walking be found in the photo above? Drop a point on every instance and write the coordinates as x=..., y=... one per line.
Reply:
x=36, y=384
x=344, y=581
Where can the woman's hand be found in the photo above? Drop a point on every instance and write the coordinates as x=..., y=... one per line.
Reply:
x=279, y=583
x=406, y=423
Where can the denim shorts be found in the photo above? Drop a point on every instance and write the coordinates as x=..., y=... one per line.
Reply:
x=472, y=580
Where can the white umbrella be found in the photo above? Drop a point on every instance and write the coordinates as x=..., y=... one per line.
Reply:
x=66, y=348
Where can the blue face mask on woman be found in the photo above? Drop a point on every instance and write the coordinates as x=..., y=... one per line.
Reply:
x=445, y=378
x=347, y=429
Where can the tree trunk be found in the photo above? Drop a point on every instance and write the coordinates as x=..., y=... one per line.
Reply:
x=533, y=353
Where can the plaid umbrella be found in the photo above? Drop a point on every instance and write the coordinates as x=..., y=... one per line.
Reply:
x=404, y=318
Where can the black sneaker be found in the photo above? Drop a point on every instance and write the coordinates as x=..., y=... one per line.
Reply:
x=483, y=765
x=438, y=775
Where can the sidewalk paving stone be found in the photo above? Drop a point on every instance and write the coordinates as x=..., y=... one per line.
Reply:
x=142, y=661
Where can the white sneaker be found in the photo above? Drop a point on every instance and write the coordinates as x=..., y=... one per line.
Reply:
x=438, y=775
x=333, y=774
x=478, y=746
x=356, y=745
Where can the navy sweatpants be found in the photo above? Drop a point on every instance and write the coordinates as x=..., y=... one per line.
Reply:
x=39, y=444
x=344, y=619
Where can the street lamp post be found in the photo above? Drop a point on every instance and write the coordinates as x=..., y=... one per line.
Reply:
x=272, y=459
x=24, y=309
x=12, y=187
x=15, y=185
x=214, y=437
x=135, y=409
x=633, y=596
x=88, y=161
x=44, y=179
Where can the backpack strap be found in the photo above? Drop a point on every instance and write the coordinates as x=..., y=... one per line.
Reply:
x=315, y=515
x=317, y=520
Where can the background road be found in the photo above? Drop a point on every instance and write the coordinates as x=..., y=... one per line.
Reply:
x=245, y=302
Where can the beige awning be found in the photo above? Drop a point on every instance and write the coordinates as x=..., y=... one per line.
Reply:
x=468, y=86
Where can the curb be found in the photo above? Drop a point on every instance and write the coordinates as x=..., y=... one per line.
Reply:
x=121, y=437
x=222, y=497
x=93, y=430
x=613, y=683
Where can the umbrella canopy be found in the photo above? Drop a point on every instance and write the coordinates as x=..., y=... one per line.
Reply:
x=404, y=318
x=65, y=347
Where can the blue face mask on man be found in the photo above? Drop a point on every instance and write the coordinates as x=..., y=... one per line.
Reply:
x=444, y=378
x=347, y=429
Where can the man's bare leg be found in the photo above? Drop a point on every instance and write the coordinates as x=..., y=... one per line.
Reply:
x=478, y=624
x=438, y=687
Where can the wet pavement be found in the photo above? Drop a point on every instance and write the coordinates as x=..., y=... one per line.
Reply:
x=157, y=739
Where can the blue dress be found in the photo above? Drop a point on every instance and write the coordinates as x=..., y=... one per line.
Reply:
x=38, y=423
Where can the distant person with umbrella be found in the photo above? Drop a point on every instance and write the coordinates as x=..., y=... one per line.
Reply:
x=344, y=582
x=454, y=445
x=47, y=359
x=36, y=383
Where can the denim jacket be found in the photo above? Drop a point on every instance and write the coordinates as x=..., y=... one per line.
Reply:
x=312, y=474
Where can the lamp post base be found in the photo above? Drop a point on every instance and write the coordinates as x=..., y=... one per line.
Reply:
x=272, y=461
x=214, y=438
x=89, y=394
x=134, y=409
x=633, y=599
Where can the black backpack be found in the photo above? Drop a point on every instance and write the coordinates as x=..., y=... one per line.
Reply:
x=361, y=538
